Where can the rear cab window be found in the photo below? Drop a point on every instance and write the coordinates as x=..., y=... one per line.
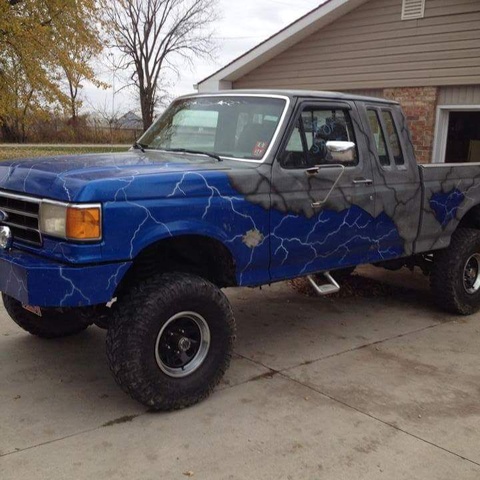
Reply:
x=393, y=138
x=378, y=137
x=386, y=138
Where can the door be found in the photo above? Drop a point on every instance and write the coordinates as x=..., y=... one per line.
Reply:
x=323, y=202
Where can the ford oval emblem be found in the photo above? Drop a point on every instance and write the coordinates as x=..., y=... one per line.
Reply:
x=3, y=216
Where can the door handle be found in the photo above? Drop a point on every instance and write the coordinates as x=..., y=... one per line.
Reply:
x=363, y=181
x=312, y=171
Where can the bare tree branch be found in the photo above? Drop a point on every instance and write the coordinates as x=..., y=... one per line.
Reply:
x=155, y=36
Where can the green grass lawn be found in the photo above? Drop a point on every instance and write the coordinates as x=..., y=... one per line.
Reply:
x=12, y=152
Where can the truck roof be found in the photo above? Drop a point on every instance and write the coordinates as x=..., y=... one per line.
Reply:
x=297, y=93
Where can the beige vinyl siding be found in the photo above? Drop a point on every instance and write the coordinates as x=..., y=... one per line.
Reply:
x=367, y=92
x=463, y=95
x=371, y=47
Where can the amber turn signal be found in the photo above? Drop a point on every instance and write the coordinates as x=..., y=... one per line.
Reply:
x=83, y=223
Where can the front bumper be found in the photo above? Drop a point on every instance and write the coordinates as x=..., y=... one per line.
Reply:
x=33, y=280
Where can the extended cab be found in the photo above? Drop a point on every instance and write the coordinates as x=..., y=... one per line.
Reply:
x=239, y=188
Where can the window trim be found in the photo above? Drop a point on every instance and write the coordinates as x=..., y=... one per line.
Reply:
x=300, y=107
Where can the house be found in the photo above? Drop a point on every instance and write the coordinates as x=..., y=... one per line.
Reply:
x=423, y=53
x=130, y=121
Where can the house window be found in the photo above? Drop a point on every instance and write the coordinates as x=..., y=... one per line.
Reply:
x=457, y=134
x=412, y=9
x=463, y=137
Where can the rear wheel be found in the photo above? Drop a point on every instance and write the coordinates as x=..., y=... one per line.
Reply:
x=170, y=340
x=54, y=322
x=455, y=278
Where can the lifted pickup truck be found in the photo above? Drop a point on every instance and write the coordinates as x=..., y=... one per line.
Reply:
x=239, y=188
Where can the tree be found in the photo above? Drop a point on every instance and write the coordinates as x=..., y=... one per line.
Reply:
x=75, y=49
x=19, y=102
x=36, y=36
x=155, y=36
x=73, y=78
x=106, y=115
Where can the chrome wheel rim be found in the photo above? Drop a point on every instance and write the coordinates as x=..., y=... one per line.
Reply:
x=182, y=344
x=471, y=274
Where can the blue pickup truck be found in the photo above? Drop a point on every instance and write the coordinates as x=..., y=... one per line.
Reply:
x=239, y=188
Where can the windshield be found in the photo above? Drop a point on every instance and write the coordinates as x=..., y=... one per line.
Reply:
x=230, y=126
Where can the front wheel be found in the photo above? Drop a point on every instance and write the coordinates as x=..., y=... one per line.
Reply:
x=170, y=340
x=455, y=277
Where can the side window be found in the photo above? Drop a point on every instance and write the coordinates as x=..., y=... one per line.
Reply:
x=392, y=135
x=307, y=145
x=379, y=137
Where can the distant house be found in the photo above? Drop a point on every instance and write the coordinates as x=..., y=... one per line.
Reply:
x=423, y=53
x=130, y=121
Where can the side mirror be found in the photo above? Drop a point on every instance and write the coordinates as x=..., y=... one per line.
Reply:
x=341, y=152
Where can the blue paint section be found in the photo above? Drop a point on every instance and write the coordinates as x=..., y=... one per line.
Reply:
x=94, y=177
x=13, y=279
x=146, y=198
x=163, y=201
x=201, y=203
x=445, y=205
x=66, y=252
x=145, y=201
x=36, y=281
x=330, y=240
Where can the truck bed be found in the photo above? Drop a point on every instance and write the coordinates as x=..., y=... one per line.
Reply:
x=448, y=192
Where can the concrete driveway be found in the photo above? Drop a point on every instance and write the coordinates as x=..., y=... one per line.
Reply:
x=353, y=388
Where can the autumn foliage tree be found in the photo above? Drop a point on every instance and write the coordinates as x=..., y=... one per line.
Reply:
x=155, y=37
x=78, y=43
x=43, y=42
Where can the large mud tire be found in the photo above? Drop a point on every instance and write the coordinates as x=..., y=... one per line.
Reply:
x=137, y=340
x=455, y=277
x=54, y=322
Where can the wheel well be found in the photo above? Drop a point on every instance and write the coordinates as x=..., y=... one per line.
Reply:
x=203, y=256
x=471, y=219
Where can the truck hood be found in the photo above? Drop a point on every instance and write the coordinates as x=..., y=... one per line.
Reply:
x=98, y=176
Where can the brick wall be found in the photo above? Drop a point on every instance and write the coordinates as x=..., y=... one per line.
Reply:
x=419, y=105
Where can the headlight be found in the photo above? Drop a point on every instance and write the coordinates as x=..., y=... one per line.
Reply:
x=72, y=222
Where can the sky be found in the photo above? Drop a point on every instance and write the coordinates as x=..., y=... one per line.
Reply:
x=242, y=25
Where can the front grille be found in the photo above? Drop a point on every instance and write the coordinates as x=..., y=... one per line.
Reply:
x=22, y=217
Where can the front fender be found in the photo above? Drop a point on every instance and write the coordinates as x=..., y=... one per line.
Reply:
x=181, y=228
x=243, y=228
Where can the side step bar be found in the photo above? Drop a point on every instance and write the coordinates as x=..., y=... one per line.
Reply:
x=327, y=288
